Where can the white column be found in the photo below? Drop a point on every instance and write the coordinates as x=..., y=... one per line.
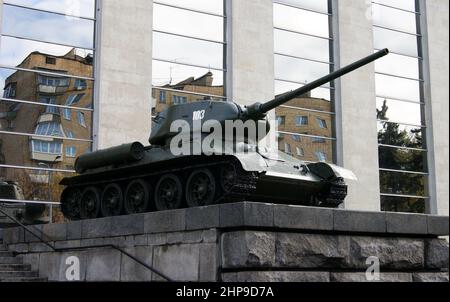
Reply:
x=1, y=19
x=355, y=104
x=250, y=65
x=435, y=24
x=124, y=72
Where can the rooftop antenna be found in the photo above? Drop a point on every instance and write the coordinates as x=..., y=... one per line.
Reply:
x=170, y=77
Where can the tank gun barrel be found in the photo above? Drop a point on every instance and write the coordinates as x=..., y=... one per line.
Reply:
x=262, y=109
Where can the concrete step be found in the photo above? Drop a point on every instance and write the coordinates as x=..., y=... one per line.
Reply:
x=15, y=267
x=3, y=248
x=14, y=274
x=16, y=280
x=10, y=260
x=5, y=254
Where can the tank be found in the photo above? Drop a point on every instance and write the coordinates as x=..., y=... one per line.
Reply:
x=11, y=197
x=193, y=160
x=10, y=191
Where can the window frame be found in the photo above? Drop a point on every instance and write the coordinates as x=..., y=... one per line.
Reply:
x=302, y=120
x=421, y=101
x=305, y=126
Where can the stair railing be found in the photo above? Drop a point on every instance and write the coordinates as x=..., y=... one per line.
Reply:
x=61, y=250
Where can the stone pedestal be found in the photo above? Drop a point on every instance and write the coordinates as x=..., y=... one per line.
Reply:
x=241, y=242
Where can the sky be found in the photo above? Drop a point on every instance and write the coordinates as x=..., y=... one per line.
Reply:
x=83, y=8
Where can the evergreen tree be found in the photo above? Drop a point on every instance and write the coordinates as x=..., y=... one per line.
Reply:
x=391, y=134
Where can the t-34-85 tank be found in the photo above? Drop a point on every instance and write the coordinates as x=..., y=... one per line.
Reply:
x=132, y=179
x=12, y=204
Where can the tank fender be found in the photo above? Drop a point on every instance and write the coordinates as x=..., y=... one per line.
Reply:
x=252, y=162
x=330, y=172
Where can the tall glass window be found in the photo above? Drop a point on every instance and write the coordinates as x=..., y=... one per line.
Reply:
x=46, y=73
x=188, y=52
x=303, y=42
x=400, y=106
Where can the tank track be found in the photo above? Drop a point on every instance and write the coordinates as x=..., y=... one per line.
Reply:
x=243, y=189
x=336, y=195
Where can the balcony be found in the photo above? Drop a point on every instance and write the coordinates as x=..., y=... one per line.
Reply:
x=45, y=157
x=52, y=89
x=39, y=178
x=49, y=117
x=80, y=87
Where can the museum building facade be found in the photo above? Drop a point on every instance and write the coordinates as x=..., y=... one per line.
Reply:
x=82, y=75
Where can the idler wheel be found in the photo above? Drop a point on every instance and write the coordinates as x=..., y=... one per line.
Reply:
x=168, y=193
x=228, y=175
x=112, y=201
x=70, y=204
x=200, y=189
x=90, y=203
x=137, y=197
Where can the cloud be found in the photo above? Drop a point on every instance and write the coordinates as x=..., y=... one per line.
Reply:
x=41, y=26
x=83, y=8
x=187, y=23
x=301, y=20
x=186, y=50
x=317, y=5
x=14, y=51
x=212, y=6
x=48, y=27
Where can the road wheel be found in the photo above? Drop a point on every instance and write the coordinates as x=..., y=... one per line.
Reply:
x=70, y=203
x=227, y=176
x=168, y=193
x=112, y=201
x=200, y=189
x=137, y=197
x=90, y=203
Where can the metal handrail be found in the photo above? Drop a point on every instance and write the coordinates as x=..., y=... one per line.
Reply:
x=60, y=250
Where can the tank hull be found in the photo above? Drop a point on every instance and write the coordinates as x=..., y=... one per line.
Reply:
x=14, y=210
x=256, y=176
